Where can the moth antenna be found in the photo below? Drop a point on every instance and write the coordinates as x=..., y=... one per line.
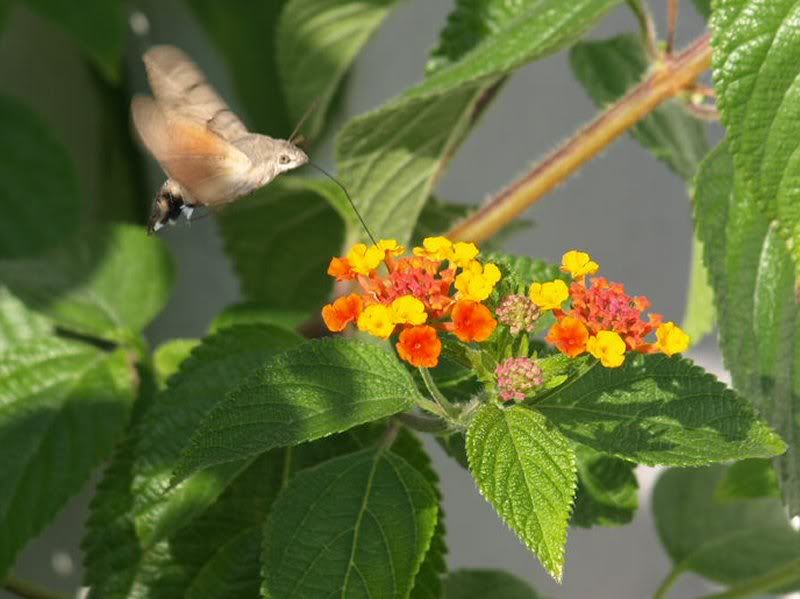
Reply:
x=307, y=114
x=349, y=199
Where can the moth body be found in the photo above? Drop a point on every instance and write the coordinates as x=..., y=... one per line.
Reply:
x=210, y=157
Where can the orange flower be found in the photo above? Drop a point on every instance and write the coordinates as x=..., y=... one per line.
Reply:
x=341, y=269
x=569, y=335
x=342, y=312
x=472, y=321
x=420, y=346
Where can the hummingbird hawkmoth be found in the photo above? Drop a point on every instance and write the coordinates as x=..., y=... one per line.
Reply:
x=208, y=154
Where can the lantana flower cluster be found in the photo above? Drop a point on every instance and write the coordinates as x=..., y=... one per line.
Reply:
x=601, y=318
x=439, y=288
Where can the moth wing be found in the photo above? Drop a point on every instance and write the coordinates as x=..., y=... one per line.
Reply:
x=205, y=164
x=180, y=87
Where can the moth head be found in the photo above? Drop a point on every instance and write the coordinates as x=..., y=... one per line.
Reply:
x=289, y=156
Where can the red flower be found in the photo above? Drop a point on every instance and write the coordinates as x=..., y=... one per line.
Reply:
x=472, y=321
x=420, y=346
x=606, y=307
x=342, y=312
x=569, y=335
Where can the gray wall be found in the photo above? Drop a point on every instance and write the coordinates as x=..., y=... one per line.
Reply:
x=625, y=207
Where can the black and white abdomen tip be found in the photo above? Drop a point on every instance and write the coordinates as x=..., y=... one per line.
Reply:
x=169, y=203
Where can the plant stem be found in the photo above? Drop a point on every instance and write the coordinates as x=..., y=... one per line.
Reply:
x=646, y=26
x=449, y=409
x=668, y=583
x=667, y=80
x=783, y=576
x=28, y=590
x=422, y=423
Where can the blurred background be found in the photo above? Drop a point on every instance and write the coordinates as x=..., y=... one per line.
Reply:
x=626, y=208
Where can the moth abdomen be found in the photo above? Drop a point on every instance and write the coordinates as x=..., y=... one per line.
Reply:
x=169, y=203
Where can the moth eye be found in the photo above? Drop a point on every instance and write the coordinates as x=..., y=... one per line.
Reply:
x=284, y=159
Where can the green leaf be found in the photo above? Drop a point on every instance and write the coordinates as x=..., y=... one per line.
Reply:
x=98, y=28
x=217, y=365
x=520, y=271
x=359, y=525
x=726, y=542
x=608, y=493
x=17, y=323
x=700, y=317
x=317, y=42
x=703, y=7
x=428, y=581
x=64, y=405
x=752, y=275
x=258, y=313
x=526, y=469
x=147, y=542
x=390, y=158
x=437, y=217
x=319, y=388
x=245, y=33
x=279, y=262
x=110, y=282
x=748, y=479
x=477, y=584
x=755, y=76
x=658, y=410
x=609, y=68
x=38, y=185
x=170, y=355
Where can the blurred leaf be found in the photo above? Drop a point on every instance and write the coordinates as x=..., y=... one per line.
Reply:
x=703, y=7
x=245, y=32
x=438, y=216
x=64, y=406
x=726, y=542
x=455, y=445
x=700, y=317
x=110, y=282
x=317, y=42
x=38, y=186
x=526, y=469
x=17, y=323
x=755, y=69
x=319, y=388
x=360, y=523
x=748, y=479
x=477, y=584
x=269, y=238
x=139, y=552
x=257, y=313
x=390, y=158
x=658, y=410
x=607, y=69
x=98, y=28
x=608, y=493
x=753, y=279
x=170, y=355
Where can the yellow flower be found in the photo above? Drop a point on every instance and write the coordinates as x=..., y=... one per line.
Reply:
x=464, y=253
x=549, y=296
x=672, y=339
x=391, y=246
x=363, y=259
x=408, y=310
x=377, y=320
x=435, y=248
x=578, y=264
x=608, y=347
x=477, y=282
